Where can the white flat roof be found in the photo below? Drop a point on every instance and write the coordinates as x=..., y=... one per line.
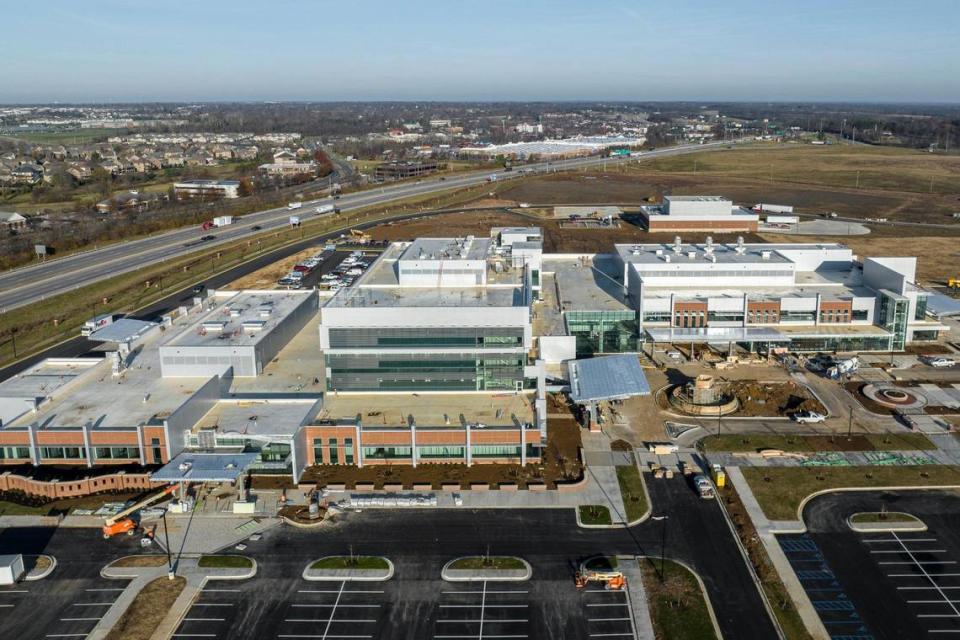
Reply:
x=240, y=318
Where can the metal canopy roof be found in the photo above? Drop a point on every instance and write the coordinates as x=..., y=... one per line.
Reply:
x=941, y=306
x=123, y=330
x=190, y=466
x=715, y=334
x=607, y=378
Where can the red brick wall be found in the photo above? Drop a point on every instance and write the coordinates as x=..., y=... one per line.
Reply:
x=699, y=225
x=75, y=488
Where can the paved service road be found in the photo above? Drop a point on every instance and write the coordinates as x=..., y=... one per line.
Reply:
x=36, y=282
x=901, y=585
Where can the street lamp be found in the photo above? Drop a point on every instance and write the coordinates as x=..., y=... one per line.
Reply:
x=663, y=539
x=166, y=535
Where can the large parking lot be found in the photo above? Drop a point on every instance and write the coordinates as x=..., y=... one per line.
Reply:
x=882, y=585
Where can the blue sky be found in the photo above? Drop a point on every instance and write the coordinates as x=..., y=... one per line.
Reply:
x=113, y=50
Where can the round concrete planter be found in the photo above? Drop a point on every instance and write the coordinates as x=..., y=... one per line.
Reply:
x=40, y=575
x=348, y=574
x=486, y=575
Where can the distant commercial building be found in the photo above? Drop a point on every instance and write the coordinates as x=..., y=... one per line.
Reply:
x=285, y=163
x=698, y=213
x=130, y=201
x=565, y=148
x=206, y=189
x=400, y=170
x=12, y=221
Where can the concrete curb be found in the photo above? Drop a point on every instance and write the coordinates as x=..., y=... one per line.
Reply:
x=302, y=525
x=803, y=503
x=887, y=527
x=703, y=591
x=347, y=575
x=486, y=575
x=629, y=523
x=30, y=577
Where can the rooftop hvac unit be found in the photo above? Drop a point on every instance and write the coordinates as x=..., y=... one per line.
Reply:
x=711, y=257
x=691, y=254
x=666, y=258
x=710, y=241
x=659, y=252
x=765, y=255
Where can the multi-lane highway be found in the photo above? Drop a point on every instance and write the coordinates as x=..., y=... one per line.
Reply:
x=34, y=283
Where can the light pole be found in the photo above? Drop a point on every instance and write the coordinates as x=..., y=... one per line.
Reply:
x=166, y=535
x=663, y=539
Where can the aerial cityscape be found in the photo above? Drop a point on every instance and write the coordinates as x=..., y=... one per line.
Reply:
x=440, y=321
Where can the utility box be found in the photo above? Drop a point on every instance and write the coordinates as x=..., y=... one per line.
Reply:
x=719, y=476
x=245, y=507
x=11, y=568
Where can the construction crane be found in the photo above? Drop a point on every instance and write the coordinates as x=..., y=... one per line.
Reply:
x=122, y=522
x=612, y=579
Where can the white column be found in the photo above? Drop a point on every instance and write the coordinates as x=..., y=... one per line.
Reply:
x=86, y=443
x=357, y=443
x=816, y=314
x=523, y=446
x=469, y=452
x=34, y=450
x=413, y=444
x=141, y=445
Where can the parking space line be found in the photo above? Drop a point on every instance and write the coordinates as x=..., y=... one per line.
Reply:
x=923, y=588
x=891, y=540
x=606, y=604
x=7, y=605
x=939, y=590
x=337, y=591
x=204, y=619
x=194, y=635
x=916, y=575
x=106, y=589
x=472, y=621
x=220, y=591
x=67, y=635
x=77, y=619
x=213, y=604
x=930, y=601
x=337, y=620
x=611, y=635
x=16, y=591
x=477, y=606
x=476, y=593
x=333, y=611
x=918, y=562
x=915, y=551
x=92, y=604
x=342, y=606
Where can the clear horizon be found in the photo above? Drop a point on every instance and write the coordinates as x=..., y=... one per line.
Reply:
x=742, y=51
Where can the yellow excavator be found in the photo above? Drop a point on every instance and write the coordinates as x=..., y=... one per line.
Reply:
x=122, y=522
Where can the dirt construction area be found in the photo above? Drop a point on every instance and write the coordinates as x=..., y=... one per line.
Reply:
x=266, y=278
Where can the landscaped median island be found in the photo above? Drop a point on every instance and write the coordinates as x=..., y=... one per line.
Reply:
x=140, y=561
x=633, y=492
x=147, y=610
x=594, y=514
x=737, y=443
x=867, y=521
x=781, y=490
x=351, y=567
x=489, y=568
x=678, y=607
x=225, y=562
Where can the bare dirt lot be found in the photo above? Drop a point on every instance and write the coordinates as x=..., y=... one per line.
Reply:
x=266, y=278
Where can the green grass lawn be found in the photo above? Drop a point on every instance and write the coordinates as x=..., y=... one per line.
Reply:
x=677, y=605
x=818, y=443
x=594, y=514
x=631, y=489
x=225, y=562
x=354, y=562
x=497, y=563
x=780, y=490
x=875, y=517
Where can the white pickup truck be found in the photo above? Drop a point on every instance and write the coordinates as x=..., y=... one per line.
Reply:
x=294, y=205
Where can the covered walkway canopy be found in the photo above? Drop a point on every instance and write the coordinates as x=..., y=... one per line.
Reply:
x=701, y=335
x=607, y=378
x=191, y=466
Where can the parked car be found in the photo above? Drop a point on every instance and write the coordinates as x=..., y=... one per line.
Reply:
x=675, y=355
x=808, y=417
x=942, y=362
x=256, y=227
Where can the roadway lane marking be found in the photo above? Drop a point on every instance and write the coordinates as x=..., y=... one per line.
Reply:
x=358, y=621
x=7, y=605
x=915, y=551
x=204, y=619
x=335, y=591
x=15, y=591
x=92, y=604
x=918, y=562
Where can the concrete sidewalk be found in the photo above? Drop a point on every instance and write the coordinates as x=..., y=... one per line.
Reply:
x=139, y=577
x=766, y=531
x=642, y=624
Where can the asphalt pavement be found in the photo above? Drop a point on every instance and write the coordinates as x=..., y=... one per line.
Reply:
x=36, y=282
x=882, y=585
x=416, y=603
